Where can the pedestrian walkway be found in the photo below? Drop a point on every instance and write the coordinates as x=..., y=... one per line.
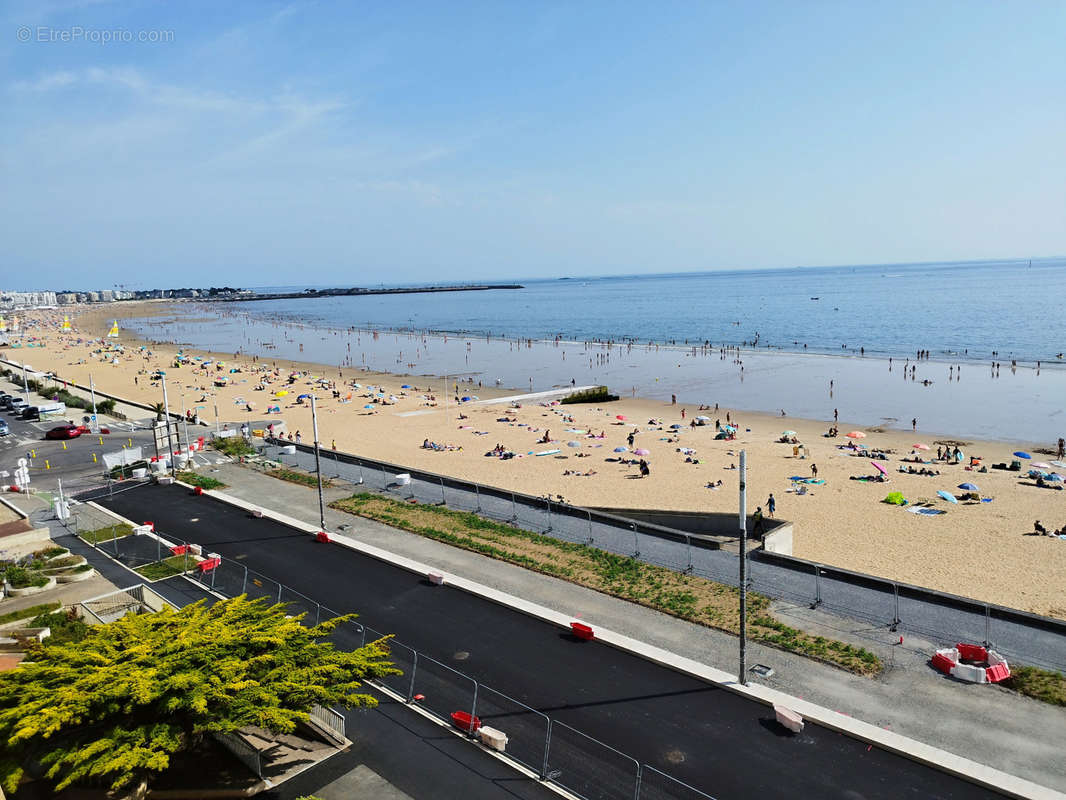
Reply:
x=989, y=725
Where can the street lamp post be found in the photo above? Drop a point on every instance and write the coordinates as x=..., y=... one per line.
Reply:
x=166, y=421
x=743, y=676
x=318, y=464
x=92, y=394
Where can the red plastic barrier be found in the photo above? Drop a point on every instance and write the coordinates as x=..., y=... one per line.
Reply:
x=179, y=549
x=209, y=564
x=198, y=490
x=943, y=663
x=464, y=722
x=322, y=536
x=997, y=673
x=150, y=524
x=581, y=630
x=972, y=652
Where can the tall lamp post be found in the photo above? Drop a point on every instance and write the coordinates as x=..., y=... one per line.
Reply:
x=166, y=421
x=743, y=676
x=318, y=464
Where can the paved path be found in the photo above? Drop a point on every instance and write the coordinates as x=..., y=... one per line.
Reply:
x=707, y=736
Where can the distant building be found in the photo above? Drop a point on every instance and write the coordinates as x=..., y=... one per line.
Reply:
x=12, y=300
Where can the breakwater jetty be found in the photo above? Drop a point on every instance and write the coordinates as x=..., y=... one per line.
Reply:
x=243, y=297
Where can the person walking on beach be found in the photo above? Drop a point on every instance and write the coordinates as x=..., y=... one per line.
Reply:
x=771, y=505
x=631, y=438
x=814, y=470
x=673, y=399
x=682, y=413
x=836, y=415
x=1062, y=448
x=914, y=424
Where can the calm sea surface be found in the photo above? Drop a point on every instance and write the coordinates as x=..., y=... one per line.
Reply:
x=1007, y=306
x=961, y=313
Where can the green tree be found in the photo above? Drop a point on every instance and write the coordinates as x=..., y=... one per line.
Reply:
x=121, y=702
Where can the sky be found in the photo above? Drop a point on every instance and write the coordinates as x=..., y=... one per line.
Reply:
x=259, y=143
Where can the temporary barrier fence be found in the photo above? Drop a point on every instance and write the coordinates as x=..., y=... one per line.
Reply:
x=879, y=602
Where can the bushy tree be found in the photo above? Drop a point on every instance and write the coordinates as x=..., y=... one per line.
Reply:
x=121, y=702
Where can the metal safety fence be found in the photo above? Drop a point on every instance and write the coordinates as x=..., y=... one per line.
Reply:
x=882, y=603
x=549, y=748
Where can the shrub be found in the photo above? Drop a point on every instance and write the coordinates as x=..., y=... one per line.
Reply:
x=597, y=395
x=203, y=481
x=65, y=626
x=234, y=446
x=22, y=578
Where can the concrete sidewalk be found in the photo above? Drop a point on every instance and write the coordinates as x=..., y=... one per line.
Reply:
x=987, y=724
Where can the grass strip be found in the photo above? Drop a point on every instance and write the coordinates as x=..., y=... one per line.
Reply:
x=1040, y=684
x=106, y=534
x=167, y=568
x=31, y=611
x=688, y=597
x=302, y=478
x=203, y=481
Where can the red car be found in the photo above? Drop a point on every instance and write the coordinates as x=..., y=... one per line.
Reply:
x=63, y=432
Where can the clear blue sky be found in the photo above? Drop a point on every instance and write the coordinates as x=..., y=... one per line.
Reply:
x=328, y=143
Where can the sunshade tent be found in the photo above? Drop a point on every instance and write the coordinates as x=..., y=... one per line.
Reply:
x=856, y=435
x=969, y=487
x=895, y=498
x=1021, y=454
x=920, y=446
x=640, y=451
x=948, y=496
x=621, y=449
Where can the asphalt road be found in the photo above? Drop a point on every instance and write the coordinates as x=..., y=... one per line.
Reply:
x=711, y=738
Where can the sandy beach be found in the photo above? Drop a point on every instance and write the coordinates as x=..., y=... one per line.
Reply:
x=977, y=549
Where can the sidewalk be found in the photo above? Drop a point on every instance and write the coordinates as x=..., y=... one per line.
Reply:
x=987, y=724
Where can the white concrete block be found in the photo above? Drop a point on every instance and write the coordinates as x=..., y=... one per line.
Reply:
x=490, y=737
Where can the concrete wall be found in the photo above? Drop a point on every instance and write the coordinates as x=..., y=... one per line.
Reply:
x=698, y=522
x=779, y=540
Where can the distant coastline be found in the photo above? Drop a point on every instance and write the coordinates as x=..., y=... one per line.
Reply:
x=355, y=292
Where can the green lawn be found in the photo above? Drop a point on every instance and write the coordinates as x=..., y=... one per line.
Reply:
x=106, y=534
x=26, y=613
x=1041, y=684
x=167, y=568
x=203, y=481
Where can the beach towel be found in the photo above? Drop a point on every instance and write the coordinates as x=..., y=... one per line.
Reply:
x=926, y=512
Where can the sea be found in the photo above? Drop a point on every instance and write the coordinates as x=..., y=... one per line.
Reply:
x=807, y=341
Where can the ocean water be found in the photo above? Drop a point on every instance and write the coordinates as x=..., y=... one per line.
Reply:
x=961, y=313
x=958, y=310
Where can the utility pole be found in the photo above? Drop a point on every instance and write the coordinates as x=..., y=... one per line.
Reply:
x=318, y=464
x=166, y=421
x=185, y=425
x=92, y=394
x=25, y=383
x=743, y=675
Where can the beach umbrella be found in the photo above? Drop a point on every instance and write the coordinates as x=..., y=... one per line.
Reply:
x=303, y=397
x=856, y=435
x=920, y=446
x=1021, y=454
x=573, y=444
x=788, y=433
x=282, y=393
x=368, y=405
x=621, y=417
x=675, y=426
x=1040, y=465
x=879, y=468
x=406, y=386
x=705, y=419
x=969, y=487
x=622, y=449
x=947, y=496
x=640, y=451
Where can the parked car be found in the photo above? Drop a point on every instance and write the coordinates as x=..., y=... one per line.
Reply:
x=30, y=413
x=5, y=401
x=63, y=432
x=17, y=404
x=5, y=429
